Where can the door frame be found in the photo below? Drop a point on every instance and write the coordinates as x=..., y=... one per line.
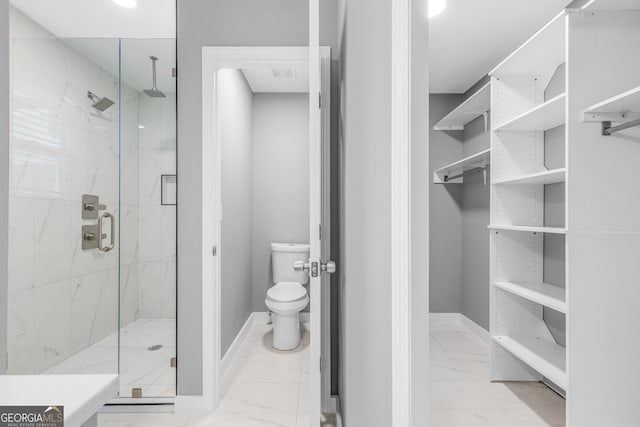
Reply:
x=213, y=60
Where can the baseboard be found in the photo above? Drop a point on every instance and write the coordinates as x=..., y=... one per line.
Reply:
x=476, y=329
x=445, y=322
x=234, y=348
x=457, y=322
x=134, y=408
x=263, y=316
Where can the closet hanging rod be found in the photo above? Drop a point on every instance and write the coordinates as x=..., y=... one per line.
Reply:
x=483, y=169
x=608, y=130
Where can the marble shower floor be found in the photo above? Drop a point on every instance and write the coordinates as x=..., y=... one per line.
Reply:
x=262, y=387
x=139, y=367
x=463, y=396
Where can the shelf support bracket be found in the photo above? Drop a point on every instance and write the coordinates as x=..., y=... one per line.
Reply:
x=608, y=130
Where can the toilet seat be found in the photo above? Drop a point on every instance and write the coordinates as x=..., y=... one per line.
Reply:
x=286, y=292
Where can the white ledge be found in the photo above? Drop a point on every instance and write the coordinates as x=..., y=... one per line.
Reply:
x=81, y=395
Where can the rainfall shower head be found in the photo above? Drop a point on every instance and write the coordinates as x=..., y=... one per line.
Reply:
x=99, y=104
x=154, y=92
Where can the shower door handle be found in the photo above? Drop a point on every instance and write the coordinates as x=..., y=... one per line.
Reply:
x=112, y=236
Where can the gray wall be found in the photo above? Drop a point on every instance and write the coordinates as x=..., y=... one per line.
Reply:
x=216, y=23
x=280, y=181
x=4, y=179
x=475, y=236
x=365, y=148
x=445, y=219
x=459, y=215
x=235, y=106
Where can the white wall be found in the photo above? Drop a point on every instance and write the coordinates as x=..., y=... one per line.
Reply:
x=61, y=299
x=157, y=223
x=280, y=180
x=4, y=180
x=235, y=119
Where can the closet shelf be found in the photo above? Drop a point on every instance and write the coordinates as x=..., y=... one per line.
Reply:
x=475, y=106
x=478, y=160
x=623, y=108
x=539, y=55
x=548, y=358
x=542, y=117
x=550, y=296
x=530, y=229
x=547, y=177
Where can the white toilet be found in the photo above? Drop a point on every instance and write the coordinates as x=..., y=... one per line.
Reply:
x=287, y=297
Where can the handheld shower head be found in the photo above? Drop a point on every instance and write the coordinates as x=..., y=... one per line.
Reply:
x=100, y=104
x=154, y=92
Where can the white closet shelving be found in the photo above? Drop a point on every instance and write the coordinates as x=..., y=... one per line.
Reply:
x=545, y=177
x=542, y=293
x=529, y=228
x=600, y=234
x=524, y=348
x=478, y=160
x=544, y=356
x=548, y=115
x=475, y=106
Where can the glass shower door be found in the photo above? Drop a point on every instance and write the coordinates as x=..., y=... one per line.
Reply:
x=148, y=219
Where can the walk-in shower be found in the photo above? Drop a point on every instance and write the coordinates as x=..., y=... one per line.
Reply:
x=92, y=274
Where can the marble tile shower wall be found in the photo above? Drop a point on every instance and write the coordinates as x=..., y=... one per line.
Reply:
x=157, y=227
x=63, y=299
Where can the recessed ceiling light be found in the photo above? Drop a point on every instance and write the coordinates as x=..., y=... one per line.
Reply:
x=126, y=3
x=436, y=7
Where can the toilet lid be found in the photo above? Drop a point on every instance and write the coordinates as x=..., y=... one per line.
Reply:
x=286, y=291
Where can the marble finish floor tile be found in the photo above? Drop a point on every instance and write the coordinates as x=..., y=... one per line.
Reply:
x=139, y=367
x=262, y=387
x=462, y=394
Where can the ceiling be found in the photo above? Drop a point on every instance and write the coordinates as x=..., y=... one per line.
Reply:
x=94, y=33
x=279, y=78
x=472, y=36
x=103, y=18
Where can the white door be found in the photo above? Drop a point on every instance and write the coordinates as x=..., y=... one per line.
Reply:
x=318, y=266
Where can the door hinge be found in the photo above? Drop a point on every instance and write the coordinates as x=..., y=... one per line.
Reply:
x=319, y=100
x=214, y=251
x=320, y=232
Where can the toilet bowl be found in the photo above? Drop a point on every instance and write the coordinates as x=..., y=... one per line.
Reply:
x=287, y=297
x=286, y=300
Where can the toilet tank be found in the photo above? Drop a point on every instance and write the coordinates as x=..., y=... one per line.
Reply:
x=283, y=255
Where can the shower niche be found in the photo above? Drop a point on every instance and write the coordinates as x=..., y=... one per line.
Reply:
x=92, y=273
